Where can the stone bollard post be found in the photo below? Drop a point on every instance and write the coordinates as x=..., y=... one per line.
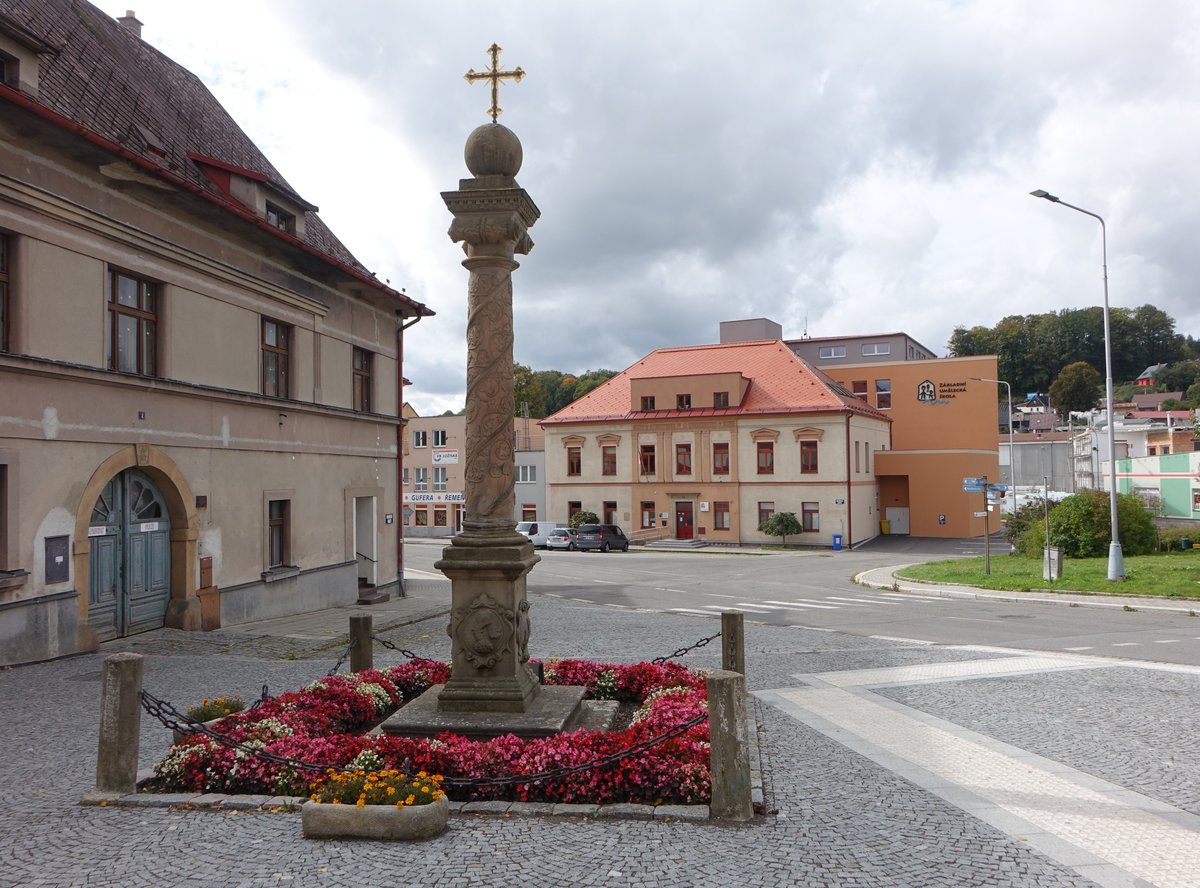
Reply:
x=120, y=727
x=362, y=654
x=733, y=644
x=728, y=738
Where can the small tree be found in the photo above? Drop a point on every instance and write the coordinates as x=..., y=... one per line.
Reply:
x=781, y=524
x=583, y=518
x=1076, y=388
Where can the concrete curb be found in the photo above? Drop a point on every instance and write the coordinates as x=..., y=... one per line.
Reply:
x=884, y=578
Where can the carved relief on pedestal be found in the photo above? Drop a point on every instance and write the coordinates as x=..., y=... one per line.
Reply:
x=483, y=631
x=523, y=632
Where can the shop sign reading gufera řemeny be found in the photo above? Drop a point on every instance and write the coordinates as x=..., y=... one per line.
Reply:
x=454, y=496
x=940, y=393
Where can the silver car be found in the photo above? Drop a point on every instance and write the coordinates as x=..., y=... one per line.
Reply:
x=561, y=538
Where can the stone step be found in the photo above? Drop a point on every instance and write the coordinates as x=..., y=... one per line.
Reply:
x=371, y=595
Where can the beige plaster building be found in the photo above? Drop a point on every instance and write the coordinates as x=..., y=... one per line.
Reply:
x=434, y=462
x=199, y=384
x=707, y=442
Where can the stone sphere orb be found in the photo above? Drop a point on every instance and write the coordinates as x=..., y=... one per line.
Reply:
x=493, y=150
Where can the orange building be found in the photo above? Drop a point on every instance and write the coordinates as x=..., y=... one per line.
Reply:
x=943, y=430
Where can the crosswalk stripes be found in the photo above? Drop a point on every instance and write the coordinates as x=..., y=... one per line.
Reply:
x=829, y=602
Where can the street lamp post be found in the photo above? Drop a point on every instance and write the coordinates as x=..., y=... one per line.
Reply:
x=1116, y=561
x=1012, y=454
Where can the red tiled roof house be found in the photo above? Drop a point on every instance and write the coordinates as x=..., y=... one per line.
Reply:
x=706, y=442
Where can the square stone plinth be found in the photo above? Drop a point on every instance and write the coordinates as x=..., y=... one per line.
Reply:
x=555, y=709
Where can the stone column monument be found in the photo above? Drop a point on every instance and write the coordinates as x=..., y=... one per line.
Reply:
x=492, y=690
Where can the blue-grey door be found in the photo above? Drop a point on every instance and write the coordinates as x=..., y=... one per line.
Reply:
x=129, y=565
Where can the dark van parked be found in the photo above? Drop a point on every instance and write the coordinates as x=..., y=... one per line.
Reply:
x=602, y=537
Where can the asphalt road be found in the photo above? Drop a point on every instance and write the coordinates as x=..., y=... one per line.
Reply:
x=816, y=590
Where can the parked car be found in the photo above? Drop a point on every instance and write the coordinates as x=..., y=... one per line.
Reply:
x=602, y=537
x=536, y=531
x=561, y=538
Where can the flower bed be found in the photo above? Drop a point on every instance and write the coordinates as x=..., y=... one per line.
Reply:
x=323, y=725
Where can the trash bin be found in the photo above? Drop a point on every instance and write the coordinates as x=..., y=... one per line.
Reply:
x=1051, y=562
x=1185, y=543
x=885, y=526
x=837, y=542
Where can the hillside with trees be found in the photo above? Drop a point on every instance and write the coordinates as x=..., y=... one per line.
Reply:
x=545, y=392
x=1032, y=350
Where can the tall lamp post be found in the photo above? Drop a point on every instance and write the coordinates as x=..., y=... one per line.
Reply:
x=1012, y=454
x=1116, y=561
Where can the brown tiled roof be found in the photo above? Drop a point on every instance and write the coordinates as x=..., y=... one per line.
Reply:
x=780, y=383
x=108, y=81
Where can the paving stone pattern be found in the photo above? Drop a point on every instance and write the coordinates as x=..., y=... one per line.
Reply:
x=1133, y=727
x=841, y=820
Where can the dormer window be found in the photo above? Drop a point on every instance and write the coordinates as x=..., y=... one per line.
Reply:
x=280, y=219
x=683, y=402
x=8, y=71
x=720, y=400
x=647, y=403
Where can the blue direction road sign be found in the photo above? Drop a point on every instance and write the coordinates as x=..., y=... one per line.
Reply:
x=974, y=482
x=997, y=487
x=972, y=488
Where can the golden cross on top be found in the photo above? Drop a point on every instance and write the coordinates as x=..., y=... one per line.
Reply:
x=495, y=75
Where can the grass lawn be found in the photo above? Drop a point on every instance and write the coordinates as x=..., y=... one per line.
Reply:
x=1166, y=574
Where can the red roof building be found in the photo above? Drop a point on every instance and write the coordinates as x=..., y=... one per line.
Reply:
x=707, y=442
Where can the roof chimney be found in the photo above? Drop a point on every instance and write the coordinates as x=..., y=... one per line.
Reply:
x=130, y=23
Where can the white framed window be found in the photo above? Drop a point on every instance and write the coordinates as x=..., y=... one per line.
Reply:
x=832, y=351
x=439, y=477
x=439, y=437
x=420, y=478
x=420, y=439
x=404, y=480
x=526, y=474
x=876, y=348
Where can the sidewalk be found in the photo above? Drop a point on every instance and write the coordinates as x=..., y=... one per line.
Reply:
x=850, y=731
x=884, y=578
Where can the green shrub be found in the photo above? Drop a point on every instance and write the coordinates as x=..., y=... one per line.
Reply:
x=1169, y=537
x=583, y=518
x=1033, y=512
x=1081, y=523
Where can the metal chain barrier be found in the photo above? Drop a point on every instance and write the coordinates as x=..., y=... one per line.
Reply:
x=407, y=654
x=341, y=659
x=659, y=661
x=172, y=718
x=266, y=695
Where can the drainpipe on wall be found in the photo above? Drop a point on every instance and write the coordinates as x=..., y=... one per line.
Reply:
x=849, y=487
x=400, y=451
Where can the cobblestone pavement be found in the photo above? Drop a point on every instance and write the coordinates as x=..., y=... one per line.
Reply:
x=1053, y=716
x=840, y=819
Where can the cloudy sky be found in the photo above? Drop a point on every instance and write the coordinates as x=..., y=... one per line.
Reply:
x=840, y=167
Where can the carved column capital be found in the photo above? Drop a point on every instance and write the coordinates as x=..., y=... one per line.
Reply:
x=491, y=221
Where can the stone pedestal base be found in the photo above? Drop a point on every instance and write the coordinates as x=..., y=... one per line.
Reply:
x=556, y=709
x=489, y=624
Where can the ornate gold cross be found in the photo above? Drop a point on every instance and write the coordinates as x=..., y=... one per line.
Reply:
x=495, y=75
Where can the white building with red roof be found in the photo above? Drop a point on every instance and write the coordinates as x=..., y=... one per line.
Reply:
x=707, y=442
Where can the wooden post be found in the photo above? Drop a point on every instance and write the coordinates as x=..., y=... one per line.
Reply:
x=362, y=654
x=120, y=728
x=733, y=645
x=728, y=740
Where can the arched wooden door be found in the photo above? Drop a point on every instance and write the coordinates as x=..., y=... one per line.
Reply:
x=129, y=569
